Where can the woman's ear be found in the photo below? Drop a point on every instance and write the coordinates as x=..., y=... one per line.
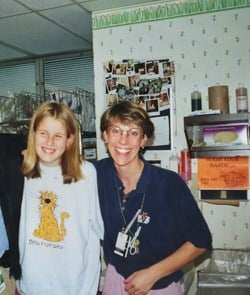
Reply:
x=144, y=140
x=105, y=136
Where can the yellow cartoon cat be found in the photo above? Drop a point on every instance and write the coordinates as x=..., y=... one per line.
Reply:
x=49, y=228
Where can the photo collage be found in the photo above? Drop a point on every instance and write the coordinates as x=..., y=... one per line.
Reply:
x=149, y=83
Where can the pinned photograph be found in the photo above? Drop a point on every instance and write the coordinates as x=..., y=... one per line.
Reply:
x=120, y=69
x=152, y=107
x=140, y=68
x=111, y=99
x=152, y=67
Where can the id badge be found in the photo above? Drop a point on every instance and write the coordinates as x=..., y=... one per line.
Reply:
x=2, y=284
x=121, y=243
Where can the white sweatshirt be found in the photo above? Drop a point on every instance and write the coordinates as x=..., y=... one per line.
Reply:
x=60, y=232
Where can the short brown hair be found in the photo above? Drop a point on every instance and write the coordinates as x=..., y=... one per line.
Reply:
x=127, y=112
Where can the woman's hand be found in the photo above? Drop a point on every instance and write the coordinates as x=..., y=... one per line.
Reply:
x=140, y=282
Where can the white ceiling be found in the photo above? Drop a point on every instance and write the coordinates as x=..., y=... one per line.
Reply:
x=32, y=28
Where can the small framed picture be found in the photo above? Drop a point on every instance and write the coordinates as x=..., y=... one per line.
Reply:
x=89, y=153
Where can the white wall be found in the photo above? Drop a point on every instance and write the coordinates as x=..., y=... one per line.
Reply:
x=208, y=49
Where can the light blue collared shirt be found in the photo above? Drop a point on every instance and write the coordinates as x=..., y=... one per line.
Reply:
x=4, y=244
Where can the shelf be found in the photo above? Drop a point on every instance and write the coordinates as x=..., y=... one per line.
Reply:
x=218, y=135
x=223, y=195
x=89, y=145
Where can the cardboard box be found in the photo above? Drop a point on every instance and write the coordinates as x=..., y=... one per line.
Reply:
x=223, y=173
x=225, y=135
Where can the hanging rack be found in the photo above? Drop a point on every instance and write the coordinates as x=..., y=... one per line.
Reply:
x=17, y=109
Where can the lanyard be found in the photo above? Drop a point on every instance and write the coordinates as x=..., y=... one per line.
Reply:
x=122, y=214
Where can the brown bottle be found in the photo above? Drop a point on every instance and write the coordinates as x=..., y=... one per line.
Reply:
x=241, y=99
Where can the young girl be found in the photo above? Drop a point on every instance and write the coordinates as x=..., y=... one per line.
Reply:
x=61, y=225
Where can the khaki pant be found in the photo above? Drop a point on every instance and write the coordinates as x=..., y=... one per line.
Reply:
x=10, y=283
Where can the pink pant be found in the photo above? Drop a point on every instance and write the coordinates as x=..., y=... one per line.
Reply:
x=113, y=284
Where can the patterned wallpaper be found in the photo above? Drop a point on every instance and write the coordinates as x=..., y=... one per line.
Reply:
x=208, y=48
x=229, y=225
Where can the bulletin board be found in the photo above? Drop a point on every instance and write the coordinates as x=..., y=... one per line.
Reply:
x=150, y=84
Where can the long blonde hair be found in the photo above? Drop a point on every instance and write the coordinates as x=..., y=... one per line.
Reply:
x=71, y=159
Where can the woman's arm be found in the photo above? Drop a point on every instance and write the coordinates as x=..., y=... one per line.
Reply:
x=141, y=282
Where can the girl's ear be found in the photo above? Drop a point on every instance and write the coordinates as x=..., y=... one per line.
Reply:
x=70, y=139
x=24, y=152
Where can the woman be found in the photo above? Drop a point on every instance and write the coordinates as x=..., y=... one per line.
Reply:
x=61, y=225
x=153, y=226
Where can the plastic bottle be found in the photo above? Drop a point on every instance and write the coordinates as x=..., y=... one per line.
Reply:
x=241, y=99
x=174, y=161
x=185, y=165
x=196, y=99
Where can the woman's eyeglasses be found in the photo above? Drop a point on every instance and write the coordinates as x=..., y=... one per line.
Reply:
x=132, y=133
